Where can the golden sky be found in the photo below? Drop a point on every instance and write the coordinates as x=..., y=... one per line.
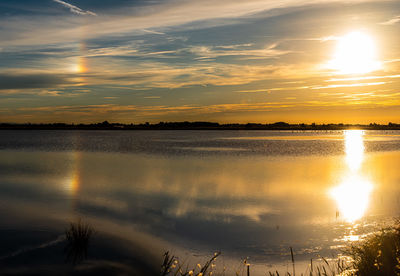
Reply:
x=225, y=61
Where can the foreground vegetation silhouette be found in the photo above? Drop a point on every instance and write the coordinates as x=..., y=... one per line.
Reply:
x=377, y=255
x=77, y=236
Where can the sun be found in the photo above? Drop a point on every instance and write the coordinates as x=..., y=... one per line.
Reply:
x=355, y=53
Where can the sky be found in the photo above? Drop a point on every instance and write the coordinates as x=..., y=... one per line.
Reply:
x=227, y=61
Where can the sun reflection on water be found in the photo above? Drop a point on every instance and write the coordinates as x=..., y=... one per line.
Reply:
x=72, y=183
x=354, y=147
x=352, y=194
x=352, y=197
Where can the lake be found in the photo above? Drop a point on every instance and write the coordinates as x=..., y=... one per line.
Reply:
x=248, y=194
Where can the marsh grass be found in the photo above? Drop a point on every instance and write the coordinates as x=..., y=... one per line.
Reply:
x=77, y=236
x=322, y=267
x=172, y=266
x=377, y=255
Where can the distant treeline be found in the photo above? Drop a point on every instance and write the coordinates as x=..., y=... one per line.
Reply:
x=199, y=126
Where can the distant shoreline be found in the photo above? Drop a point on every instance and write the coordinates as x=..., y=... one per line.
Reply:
x=196, y=126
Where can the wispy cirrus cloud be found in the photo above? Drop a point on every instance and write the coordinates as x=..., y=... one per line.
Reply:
x=75, y=9
x=139, y=20
x=269, y=51
x=370, y=99
x=392, y=21
x=219, y=58
x=160, y=75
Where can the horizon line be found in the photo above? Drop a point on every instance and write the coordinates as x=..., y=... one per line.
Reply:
x=106, y=122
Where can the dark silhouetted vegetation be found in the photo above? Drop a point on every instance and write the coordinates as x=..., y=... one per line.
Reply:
x=172, y=266
x=377, y=255
x=201, y=126
x=77, y=237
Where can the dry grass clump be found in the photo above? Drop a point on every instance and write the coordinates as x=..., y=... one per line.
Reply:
x=172, y=266
x=77, y=235
x=379, y=254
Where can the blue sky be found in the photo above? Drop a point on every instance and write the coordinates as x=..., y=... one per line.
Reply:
x=226, y=61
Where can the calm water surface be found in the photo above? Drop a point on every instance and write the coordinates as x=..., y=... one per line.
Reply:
x=247, y=194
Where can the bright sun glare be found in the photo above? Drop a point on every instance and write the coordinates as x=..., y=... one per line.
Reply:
x=354, y=147
x=352, y=197
x=355, y=54
x=352, y=194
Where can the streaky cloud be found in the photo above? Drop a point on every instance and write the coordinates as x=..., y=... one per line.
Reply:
x=75, y=9
x=392, y=21
x=348, y=85
x=139, y=20
x=153, y=32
